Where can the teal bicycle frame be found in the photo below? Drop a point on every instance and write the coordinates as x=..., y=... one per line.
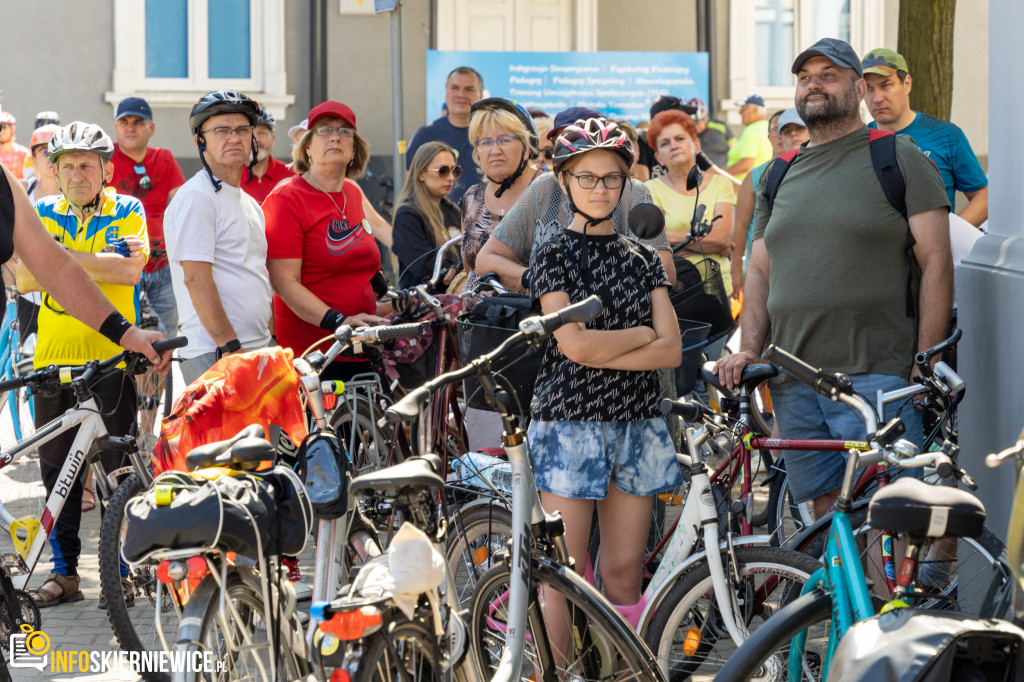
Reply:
x=842, y=576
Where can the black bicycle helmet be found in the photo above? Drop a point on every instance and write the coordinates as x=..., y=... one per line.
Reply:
x=502, y=104
x=214, y=104
x=222, y=102
x=592, y=133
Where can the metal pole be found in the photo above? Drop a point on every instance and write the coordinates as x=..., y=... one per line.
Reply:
x=318, y=52
x=398, y=125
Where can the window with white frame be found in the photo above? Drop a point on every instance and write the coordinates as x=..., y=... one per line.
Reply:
x=766, y=35
x=171, y=51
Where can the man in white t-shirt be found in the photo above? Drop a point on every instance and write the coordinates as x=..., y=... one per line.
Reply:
x=215, y=239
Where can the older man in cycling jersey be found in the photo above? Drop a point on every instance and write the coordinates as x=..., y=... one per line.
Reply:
x=105, y=233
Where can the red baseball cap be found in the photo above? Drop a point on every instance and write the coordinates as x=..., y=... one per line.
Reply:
x=331, y=109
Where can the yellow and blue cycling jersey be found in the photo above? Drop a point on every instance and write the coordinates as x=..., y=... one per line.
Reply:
x=63, y=340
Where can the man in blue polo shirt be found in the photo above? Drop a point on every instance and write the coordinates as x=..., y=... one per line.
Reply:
x=463, y=87
x=888, y=98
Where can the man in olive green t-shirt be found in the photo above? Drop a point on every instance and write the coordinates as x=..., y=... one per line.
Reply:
x=828, y=274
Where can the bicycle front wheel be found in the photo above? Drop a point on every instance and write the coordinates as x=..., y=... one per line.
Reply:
x=239, y=638
x=137, y=628
x=367, y=446
x=480, y=533
x=409, y=656
x=572, y=629
x=766, y=655
x=687, y=632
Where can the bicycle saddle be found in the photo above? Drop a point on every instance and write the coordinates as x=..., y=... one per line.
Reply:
x=751, y=377
x=416, y=473
x=908, y=505
x=245, y=451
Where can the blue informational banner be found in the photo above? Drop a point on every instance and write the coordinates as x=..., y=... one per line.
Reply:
x=620, y=85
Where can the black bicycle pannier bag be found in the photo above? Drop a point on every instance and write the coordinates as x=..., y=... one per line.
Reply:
x=324, y=468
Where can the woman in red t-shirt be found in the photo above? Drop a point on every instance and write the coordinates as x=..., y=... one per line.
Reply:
x=321, y=252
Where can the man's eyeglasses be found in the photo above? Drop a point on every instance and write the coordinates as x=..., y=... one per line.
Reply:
x=503, y=142
x=225, y=131
x=443, y=171
x=613, y=181
x=144, y=181
x=327, y=131
x=548, y=153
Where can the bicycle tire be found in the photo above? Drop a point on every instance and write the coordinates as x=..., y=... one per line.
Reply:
x=411, y=647
x=765, y=655
x=370, y=452
x=691, y=603
x=203, y=629
x=479, y=534
x=788, y=517
x=985, y=552
x=134, y=628
x=600, y=641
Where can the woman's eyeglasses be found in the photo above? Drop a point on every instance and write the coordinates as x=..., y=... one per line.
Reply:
x=548, y=153
x=327, y=131
x=144, y=181
x=503, y=142
x=613, y=181
x=443, y=171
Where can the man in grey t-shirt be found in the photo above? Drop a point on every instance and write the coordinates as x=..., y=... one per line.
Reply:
x=541, y=213
x=829, y=279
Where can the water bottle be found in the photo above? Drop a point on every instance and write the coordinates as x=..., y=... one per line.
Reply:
x=476, y=469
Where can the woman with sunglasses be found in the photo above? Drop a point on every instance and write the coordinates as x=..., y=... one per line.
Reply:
x=504, y=140
x=425, y=218
x=321, y=253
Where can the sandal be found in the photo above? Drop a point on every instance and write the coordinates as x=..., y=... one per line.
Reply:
x=128, y=589
x=45, y=597
x=88, y=500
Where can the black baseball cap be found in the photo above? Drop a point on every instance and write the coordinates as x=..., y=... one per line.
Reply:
x=566, y=118
x=836, y=51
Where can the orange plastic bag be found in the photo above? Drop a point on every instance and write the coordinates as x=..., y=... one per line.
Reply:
x=258, y=387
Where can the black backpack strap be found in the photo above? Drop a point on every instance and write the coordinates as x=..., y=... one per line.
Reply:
x=776, y=173
x=883, y=158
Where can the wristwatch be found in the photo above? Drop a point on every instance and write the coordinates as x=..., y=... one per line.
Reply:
x=229, y=347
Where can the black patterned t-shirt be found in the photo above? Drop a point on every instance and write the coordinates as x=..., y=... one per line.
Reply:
x=622, y=272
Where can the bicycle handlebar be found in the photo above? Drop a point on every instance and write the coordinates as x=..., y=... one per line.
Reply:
x=347, y=337
x=829, y=385
x=923, y=359
x=533, y=328
x=690, y=412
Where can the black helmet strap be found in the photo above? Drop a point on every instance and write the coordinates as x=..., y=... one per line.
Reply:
x=507, y=183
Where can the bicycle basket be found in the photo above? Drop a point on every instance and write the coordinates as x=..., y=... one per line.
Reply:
x=695, y=339
x=492, y=320
x=699, y=295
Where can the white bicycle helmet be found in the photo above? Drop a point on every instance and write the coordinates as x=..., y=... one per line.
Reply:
x=80, y=137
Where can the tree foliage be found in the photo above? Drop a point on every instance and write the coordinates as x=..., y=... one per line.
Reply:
x=926, y=42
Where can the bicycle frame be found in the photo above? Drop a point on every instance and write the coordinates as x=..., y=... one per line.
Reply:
x=10, y=353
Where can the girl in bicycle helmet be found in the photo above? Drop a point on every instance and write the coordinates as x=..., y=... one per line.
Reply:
x=597, y=436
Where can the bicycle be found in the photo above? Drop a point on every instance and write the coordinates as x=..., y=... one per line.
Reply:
x=13, y=363
x=153, y=389
x=382, y=640
x=837, y=595
x=29, y=535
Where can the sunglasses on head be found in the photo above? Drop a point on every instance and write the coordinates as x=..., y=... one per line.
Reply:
x=443, y=171
x=144, y=181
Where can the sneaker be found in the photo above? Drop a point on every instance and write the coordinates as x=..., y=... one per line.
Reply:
x=302, y=590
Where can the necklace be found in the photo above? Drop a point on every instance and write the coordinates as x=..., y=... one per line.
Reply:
x=344, y=219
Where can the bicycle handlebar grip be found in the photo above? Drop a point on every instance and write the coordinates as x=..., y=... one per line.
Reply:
x=407, y=408
x=170, y=344
x=795, y=367
x=585, y=311
x=690, y=412
x=391, y=332
x=925, y=356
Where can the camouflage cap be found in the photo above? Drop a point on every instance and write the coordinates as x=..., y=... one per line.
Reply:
x=884, y=62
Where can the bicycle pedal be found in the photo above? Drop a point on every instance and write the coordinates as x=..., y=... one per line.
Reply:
x=12, y=561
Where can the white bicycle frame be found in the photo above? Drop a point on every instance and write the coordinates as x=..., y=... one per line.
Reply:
x=86, y=416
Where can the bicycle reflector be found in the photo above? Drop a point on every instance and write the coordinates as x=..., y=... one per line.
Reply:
x=692, y=642
x=350, y=625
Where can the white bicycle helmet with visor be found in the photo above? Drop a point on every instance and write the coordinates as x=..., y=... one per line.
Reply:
x=80, y=137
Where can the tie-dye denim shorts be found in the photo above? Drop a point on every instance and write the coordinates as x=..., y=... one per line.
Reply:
x=577, y=459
